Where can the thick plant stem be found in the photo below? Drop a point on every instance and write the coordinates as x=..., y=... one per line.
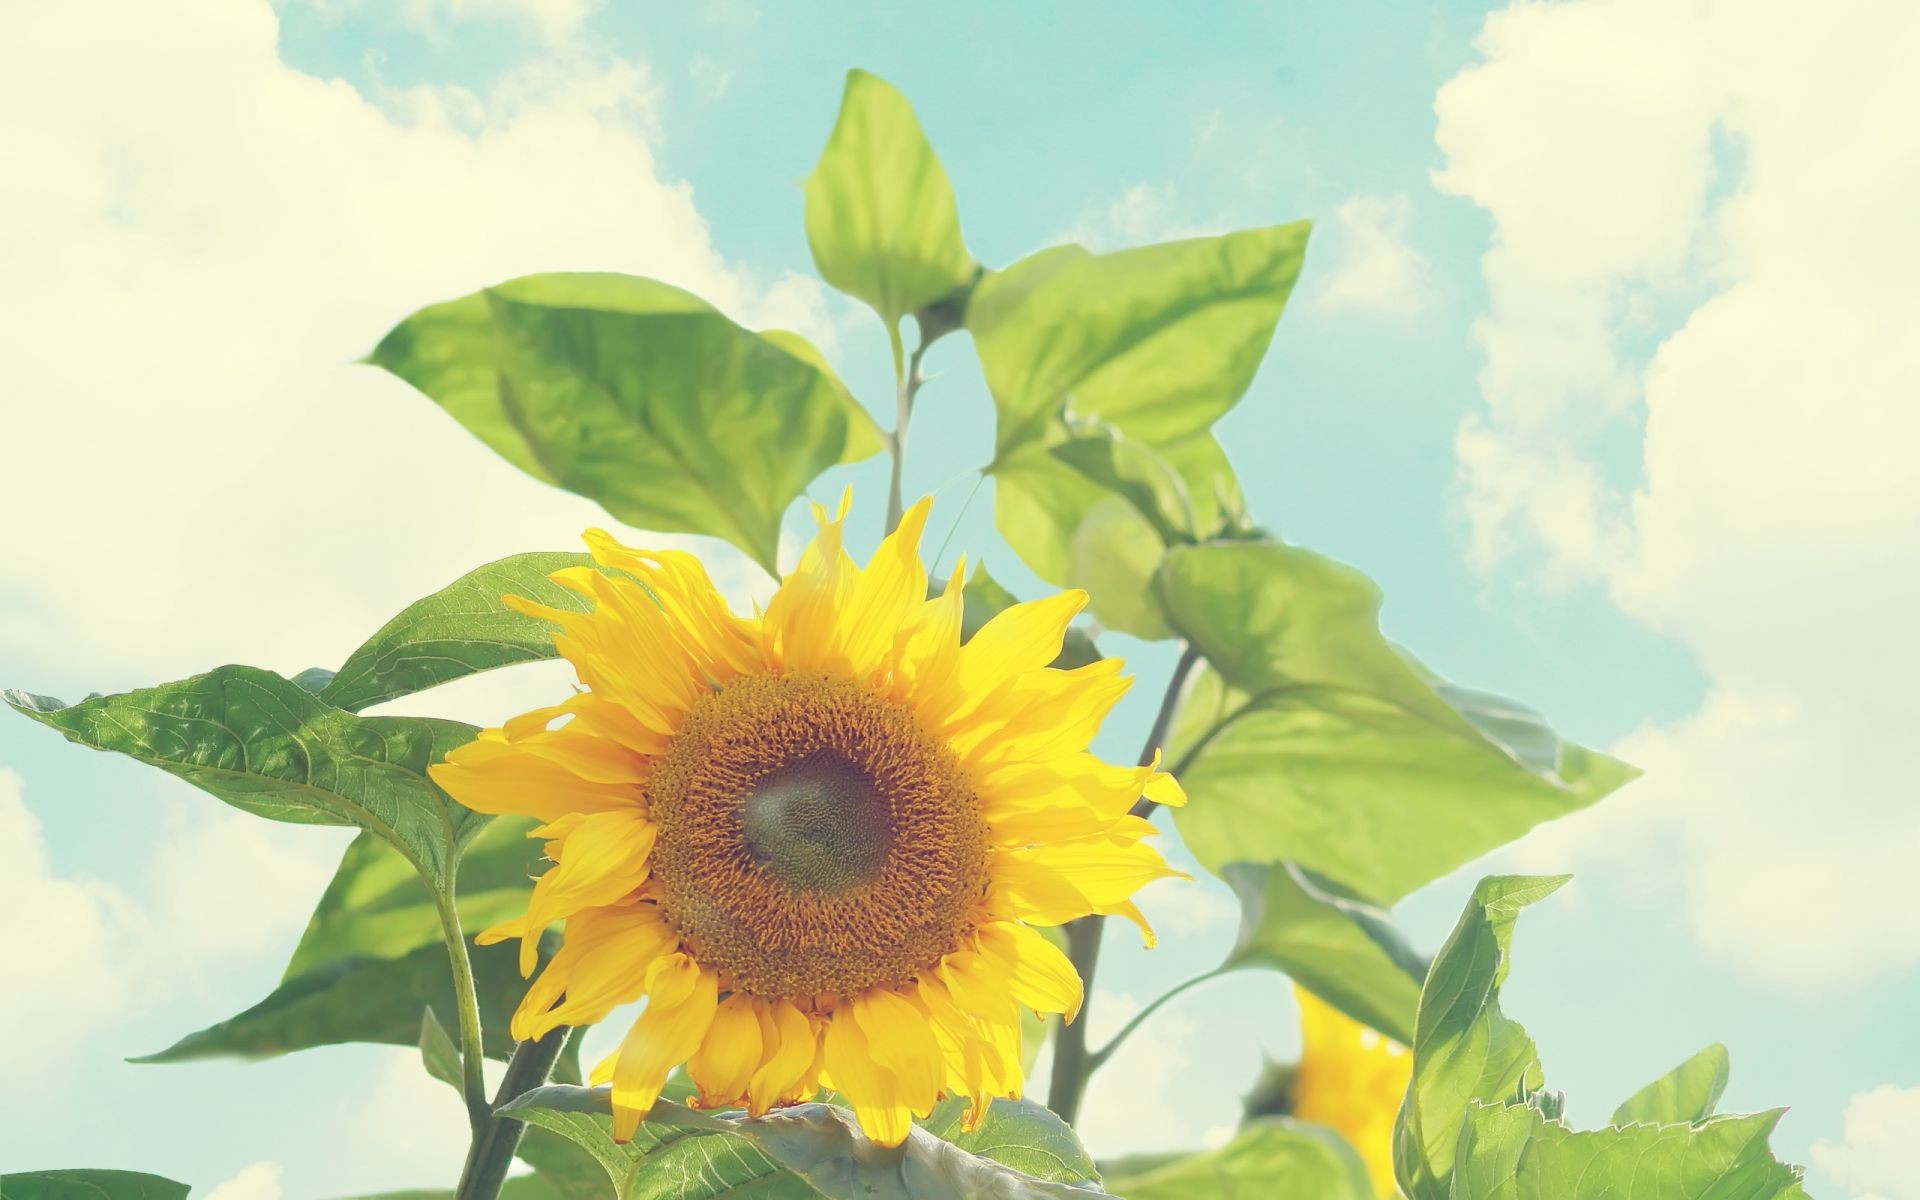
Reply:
x=908, y=386
x=473, y=1077
x=1072, y=1064
x=495, y=1142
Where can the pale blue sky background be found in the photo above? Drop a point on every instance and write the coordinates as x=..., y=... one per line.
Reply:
x=221, y=214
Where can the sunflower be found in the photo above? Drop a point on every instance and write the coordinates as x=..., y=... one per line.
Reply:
x=817, y=840
x=1351, y=1079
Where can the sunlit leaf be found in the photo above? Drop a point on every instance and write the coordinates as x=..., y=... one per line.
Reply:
x=461, y=629
x=1272, y=1157
x=1310, y=738
x=637, y=395
x=362, y=1000
x=267, y=746
x=881, y=218
x=437, y=1052
x=1348, y=953
x=88, y=1183
x=1686, y=1093
x=1115, y=555
x=1156, y=342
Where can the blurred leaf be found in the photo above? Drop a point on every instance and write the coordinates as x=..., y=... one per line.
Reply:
x=1115, y=556
x=1515, y=1152
x=458, y=631
x=1271, y=1157
x=88, y=1183
x=1020, y=1152
x=881, y=218
x=437, y=1052
x=362, y=1000
x=1133, y=473
x=984, y=598
x=1156, y=342
x=1312, y=739
x=1349, y=954
x=637, y=395
x=269, y=747
x=376, y=905
x=1686, y=1093
x=1465, y=1050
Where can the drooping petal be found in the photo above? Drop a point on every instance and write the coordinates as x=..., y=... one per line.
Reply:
x=1038, y=973
x=681, y=1001
x=729, y=1055
x=790, y=1044
x=899, y=1037
x=878, y=1100
x=602, y=963
x=601, y=859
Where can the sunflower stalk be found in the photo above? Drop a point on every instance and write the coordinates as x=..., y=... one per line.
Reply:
x=494, y=1143
x=473, y=1080
x=907, y=386
x=1073, y=1063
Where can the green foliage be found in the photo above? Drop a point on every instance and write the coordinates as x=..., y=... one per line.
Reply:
x=637, y=395
x=1155, y=344
x=881, y=218
x=461, y=629
x=361, y=1000
x=1270, y=1157
x=1477, y=1126
x=1347, y=953
x=269, y=747
x=1312, y=739
x=1020, y=1152
x=438, y=1054
x=88, y=1184
x=1689, y=1092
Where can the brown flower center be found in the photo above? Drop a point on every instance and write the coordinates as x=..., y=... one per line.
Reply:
x=813, y=839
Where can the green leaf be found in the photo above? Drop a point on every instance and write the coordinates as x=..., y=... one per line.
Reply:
x=566, y=1170
x=1349, y=954
x=1115, y=556
x=984, y=598
x=458, y=631
x=881, y=218
x=437, y=1052
x=1686, y=1093
x=1465, y=1050
x=1135, y=474
x=1517, y=1153
x=1156, y=342
x=376, y=905
x=1020, y=1152
x=270, y=747
x=88, y=1184
x=637, y=395
x=362, y=1000
x=1312, y=739
x=1268, y=1158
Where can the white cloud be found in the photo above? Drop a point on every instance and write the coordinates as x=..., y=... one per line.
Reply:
x=1143, y=213
x=200, y=239
x=412, y=1118
x=256, y=1181
x=1874, y=1159
x=1374, y=267
x=1188, y=907
x=1702, y=223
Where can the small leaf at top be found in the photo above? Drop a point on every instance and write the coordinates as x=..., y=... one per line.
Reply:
x=1686, y=1093
x=881, y=218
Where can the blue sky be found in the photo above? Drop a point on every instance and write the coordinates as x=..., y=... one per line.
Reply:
x=1590, y=368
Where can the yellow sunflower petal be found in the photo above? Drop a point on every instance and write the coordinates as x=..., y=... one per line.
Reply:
x=789, y=1046
x=603, y=858
x=797, y=630
x=1039, y=974
x=602, y=963
x=1018, y=639
x=899, y=1037
x=877, y=1098
x=729, y=1055
x=884, y=595
x=681, y=1001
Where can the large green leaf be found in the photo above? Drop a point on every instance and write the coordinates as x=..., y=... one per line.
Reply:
x=1020, y=1152
x=457, y=631
x=1312, y=739
x=270, y=747
x=1515, y=1152
x=637, y=395
x=1156, y=342
x=1465, y=1050
x=362, y=1000
x=88, y=1184
x=1349, y=954
x=1686, y=1093
x=881, y=218
x=1272, y=1157
x=375, y=906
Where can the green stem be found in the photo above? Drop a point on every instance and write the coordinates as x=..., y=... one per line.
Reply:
x=467, y=1005
x=1099, y=1057
x=494, y=1144
x=1072, y=1063
x=907, y=386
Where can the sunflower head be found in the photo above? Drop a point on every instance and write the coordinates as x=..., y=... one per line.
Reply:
x=1351, y=1079
x=816, y=841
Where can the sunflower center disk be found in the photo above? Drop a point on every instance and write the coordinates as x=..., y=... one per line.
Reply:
x=818, y=825
x=814, y=839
